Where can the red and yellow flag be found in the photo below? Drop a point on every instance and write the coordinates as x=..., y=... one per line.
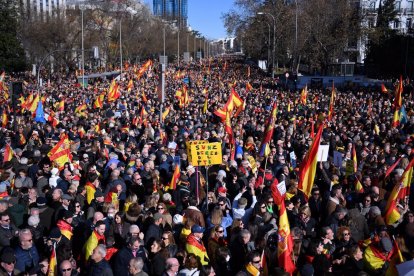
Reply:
x=8, y=153
x=184, y=100
x=144, y=68
x=268, y=135
x=304, y=95
x=400, y=191
x=384, y=89
x=308, y=166
x=249, y=87
x=80, y=109
x=175, y=177
x=33, y=105
x=285, y=243
x=165, y=113
x=358, y=186
x=130, y=85
x=113, y=93
x=60, y=153
x=61, y=106
x=354, y=158
x=52, y=271
x=98, y=103
x=4, y=119
x=229, y=131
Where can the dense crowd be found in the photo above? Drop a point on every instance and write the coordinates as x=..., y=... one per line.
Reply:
x=112, y=208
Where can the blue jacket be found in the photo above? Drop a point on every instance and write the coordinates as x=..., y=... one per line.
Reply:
x=26, y=259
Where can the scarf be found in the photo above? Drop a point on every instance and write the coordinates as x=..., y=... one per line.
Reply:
x=252, y=270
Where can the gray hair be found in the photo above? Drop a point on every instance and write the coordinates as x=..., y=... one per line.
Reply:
x=33, y=220
x=137, y=263
x=375, y=210
x=166, y=197
x=101, y=250
x=245, y=233
x=133, y=227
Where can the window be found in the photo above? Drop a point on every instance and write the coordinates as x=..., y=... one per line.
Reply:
x=396, y=24
x=410, y=6
x=409, y=22
x=397, y=6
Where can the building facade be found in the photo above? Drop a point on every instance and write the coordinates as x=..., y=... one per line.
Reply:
x=43, y=8
x=403, y=22
x=172, y=10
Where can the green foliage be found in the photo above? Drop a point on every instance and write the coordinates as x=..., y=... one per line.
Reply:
x=12, y=56
x=392, y=57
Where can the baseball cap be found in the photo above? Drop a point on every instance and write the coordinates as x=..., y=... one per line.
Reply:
x=222, y=190
x=197, y=229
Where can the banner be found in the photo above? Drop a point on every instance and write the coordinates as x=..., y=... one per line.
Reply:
x=206, y=154
x=194, y=142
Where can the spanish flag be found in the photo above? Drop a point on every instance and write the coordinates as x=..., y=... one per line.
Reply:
x=308, y=166
x=144, y=68
x=4, y=119
x=144, y=97
x=268, y=135
x=221, y=113
x=61, y=152
x=165, y=113
x=384, y=89
x=400, y=191
x=175, y=177
x=98, y=103
x=184, y=100
x=358, y=186
x=249, y=87
x=130, y=85
x=143, y=115
x=65, y=228
x=22, y=139
x=228, y=129
x=8, y=153
x=304, y=95
x=61, y=106
x=354, y=158
x=205, y=106
x=90, y=192
x=285, y=243
x=33, y=105
x=28, y=101
x=331, y=103
x=113, y=93
x=52, y=271
x=80, y=109
x=94, y=240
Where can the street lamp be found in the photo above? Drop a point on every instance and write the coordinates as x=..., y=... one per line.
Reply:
x=274, y=40
x=178, y=45
x=82, y=8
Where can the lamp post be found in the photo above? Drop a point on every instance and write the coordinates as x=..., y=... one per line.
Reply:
x=178, y=45
x=120, y=42
x=163, y=35
x=83, y=55
x=274, y=40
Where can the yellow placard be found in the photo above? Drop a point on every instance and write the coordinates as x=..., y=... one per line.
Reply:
x=194, y=142
x=206, y=154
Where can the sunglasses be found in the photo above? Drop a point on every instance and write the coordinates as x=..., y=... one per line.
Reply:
x=346, y=234
x=221, y=231
x=263, y=206
x=160, y=208
x=164, y=238
x=222, y=204
x=77, y=206
x=66, y=269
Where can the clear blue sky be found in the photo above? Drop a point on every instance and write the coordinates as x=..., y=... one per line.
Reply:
x=205, y=16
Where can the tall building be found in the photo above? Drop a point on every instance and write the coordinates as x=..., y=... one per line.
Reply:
x=43, y=8
x=172, y=10
x=403, y=22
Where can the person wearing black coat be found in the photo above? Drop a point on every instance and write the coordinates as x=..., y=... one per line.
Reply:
x=122, y=258
x=354, y=264
x=98, y=266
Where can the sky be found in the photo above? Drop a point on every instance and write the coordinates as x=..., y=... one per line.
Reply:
x=205, y=16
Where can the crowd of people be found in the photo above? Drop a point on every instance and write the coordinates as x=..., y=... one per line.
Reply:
x=119, y=205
